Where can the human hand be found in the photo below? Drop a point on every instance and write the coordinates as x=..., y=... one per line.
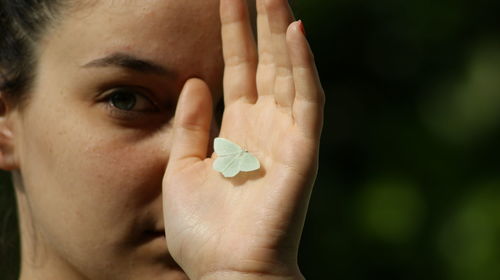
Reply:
x=248, y=226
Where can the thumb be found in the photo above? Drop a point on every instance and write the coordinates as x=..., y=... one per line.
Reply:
x=192, y=122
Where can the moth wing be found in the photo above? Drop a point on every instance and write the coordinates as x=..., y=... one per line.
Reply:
x=247, y=162
x=222, y=162
x=232, y=169
x=224, y=147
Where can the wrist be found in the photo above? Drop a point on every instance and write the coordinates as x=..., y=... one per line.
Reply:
x=235, y=275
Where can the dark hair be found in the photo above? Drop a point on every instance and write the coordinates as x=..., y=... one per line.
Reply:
x=22, y=24
x=10, y=243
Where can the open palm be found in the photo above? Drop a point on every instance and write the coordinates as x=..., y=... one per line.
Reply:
x=249, y=224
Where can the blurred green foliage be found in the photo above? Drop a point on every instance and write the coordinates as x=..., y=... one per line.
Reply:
x=409, y=181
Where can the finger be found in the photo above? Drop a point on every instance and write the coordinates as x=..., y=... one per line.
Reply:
x=309, y=95
x=193, y=118
x=240, y=54
x=280, y=17
x=265, y=68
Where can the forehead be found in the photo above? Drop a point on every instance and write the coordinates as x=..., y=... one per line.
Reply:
x=181, y=34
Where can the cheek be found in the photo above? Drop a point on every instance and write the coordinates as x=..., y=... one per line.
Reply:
x=130, y=170
x=98, y=166
x=94, y=176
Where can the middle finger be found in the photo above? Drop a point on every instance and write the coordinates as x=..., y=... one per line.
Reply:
x=279, y=17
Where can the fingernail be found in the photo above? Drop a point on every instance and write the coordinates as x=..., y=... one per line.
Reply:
x=301, y=25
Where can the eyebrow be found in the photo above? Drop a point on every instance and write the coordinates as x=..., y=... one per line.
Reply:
x=130, y=62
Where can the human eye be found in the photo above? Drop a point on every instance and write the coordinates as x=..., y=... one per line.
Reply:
x=129, y=99
x=129, y=103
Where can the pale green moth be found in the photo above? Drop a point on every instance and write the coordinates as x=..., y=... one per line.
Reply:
x=231, y=158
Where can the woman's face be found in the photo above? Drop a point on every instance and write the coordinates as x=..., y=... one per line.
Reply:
x=94, y=140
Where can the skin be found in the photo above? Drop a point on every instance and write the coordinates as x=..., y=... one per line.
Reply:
x=93, y=181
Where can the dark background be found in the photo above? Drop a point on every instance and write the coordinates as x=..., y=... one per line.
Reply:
x=409, y=181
